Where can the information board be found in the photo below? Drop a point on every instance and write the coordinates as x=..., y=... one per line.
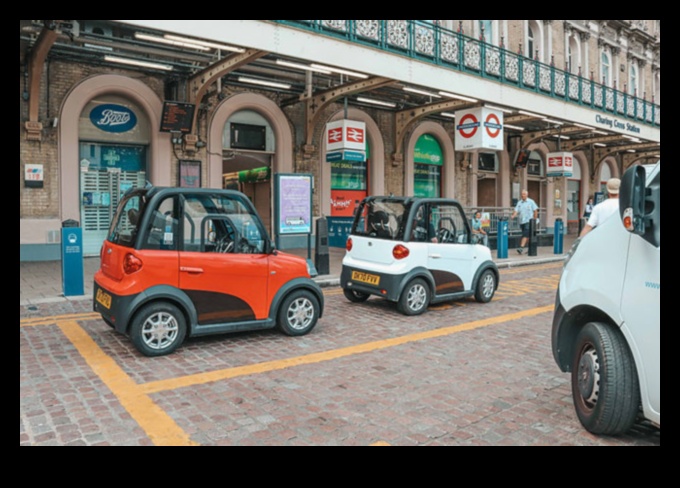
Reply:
x=177, y=117
x=294, y=203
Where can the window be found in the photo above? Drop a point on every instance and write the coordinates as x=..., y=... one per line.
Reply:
x=633, y=79
x=530, y=42
x=486, y=30
x=487, y=162
x=606, y=68
x=248, y=136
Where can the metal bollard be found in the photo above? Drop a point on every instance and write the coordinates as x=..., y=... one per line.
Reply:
x=321, y=253
x=533, y=240
x=502, y=246
x=559, y=237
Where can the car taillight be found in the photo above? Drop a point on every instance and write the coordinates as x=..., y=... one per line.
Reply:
x=400, y=251
x=131, y=264
x=348, y=244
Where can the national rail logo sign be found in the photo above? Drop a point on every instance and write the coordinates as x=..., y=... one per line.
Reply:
x=346, y=140
x=479, y=128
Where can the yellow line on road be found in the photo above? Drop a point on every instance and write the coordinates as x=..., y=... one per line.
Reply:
x=53, y=319
x=202, y=378
x=158, y=425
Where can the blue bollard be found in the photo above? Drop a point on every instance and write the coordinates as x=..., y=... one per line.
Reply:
x=502, y=247
x=72, y=273
x=558, y=238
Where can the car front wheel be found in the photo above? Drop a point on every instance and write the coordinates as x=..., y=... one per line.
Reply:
x=415, y=298
x=604, y=381
x=486, y=287
x=299, y=313
x=158, y=329
x=355, y=296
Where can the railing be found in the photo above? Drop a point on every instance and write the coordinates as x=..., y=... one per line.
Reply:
x=498, y=213
x=422, y=40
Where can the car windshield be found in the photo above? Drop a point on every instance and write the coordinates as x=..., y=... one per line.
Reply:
x=382, y=218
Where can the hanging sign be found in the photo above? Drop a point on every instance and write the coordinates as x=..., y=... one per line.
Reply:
x=560, y=164
x=479, y=128
x=346, y=140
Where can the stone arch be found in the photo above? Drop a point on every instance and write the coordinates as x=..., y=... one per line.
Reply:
x=282, y=161
x=448, y=166
x=74, y=102
x=376, y=169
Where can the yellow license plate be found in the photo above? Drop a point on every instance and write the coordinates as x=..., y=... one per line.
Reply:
x=103, y=298
x=365, y=278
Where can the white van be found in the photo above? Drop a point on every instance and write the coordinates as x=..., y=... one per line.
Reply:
x=606, y=327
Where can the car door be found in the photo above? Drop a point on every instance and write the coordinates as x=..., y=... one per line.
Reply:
x=450, y=257
x=226, y=280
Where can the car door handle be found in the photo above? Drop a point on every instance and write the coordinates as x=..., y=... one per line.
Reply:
x=435, y=256
x=189, y=269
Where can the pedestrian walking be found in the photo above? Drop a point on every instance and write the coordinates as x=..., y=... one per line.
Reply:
x=526, y=209
x=603, y=210
x=589, y=209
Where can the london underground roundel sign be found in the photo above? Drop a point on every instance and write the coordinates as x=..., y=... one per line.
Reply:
x=492, y=125
x=468, y=125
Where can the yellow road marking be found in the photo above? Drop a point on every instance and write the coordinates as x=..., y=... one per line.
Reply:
x=158, y=425
x=210, y=376
x=57, y=318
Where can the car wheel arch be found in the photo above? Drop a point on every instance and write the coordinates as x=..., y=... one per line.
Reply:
x=419, y=272
x=480, y=271
x=292, y=285
x=168, y=294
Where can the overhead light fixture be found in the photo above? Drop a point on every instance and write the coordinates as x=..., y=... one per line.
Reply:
x=339, y=70
x=514, y=127
x=255, y=81
x=376, y=102
x=599, y=144
x=136, y=62
x=421, y=92
x=530, y=114
x=493, y=107
x=557, y=122
x=630, y=150
x=459, y=97
x=97, y=46
x=448, y=114
x=171, y=42
x=560, y=136
x=595, y=131
x=583, y=126
x=305, y=67
x=214, y=45
x=634, y=139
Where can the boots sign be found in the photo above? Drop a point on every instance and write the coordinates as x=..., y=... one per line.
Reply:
x=346, y=141
x=479, y=128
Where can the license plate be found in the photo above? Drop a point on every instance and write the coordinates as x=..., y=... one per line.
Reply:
x=103, y=298
x=365, y=277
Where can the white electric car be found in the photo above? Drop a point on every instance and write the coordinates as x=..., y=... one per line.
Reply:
x=415, y=252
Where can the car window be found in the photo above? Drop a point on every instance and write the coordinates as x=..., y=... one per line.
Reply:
x=382, y=218
x=449, y=224
x=125, y=223
x=162, y=227
x=220, y=224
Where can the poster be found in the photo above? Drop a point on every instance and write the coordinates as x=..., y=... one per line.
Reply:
x=294, y=203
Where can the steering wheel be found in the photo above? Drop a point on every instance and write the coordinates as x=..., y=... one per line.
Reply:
x=445, y=234
x=225, y=244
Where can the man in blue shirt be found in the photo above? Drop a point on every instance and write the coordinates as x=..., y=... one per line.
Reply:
x=527, y=209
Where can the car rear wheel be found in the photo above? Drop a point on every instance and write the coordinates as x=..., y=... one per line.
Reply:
x=415, y=298
x=355, y=296
x=158, y=328
x=486, y=287
x=604, y=381
x=299, y=313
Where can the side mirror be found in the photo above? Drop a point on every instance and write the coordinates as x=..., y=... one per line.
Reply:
x=639, y=205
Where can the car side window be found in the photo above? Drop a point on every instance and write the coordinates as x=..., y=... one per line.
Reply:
x=220, y=224
x=162, y=227
x=449, y=224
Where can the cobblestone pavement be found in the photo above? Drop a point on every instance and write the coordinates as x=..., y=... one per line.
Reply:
x=462, y=374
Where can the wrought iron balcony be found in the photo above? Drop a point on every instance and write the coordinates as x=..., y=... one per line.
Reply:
x=448, y=49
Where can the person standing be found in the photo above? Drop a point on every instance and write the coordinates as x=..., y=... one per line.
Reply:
x=478, y=231
x=603, y=210
x=589, y=209
x=527, y=209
